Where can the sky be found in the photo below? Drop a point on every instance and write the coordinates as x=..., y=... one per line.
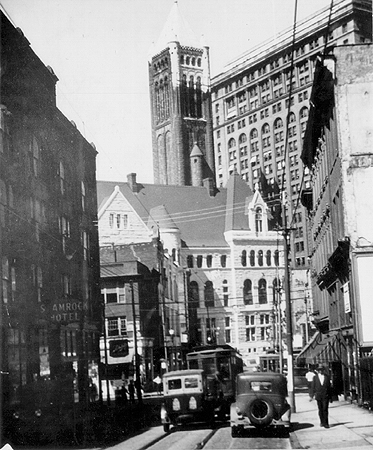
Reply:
x=99, y=50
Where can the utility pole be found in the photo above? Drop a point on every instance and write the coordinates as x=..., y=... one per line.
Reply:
x=289, y=318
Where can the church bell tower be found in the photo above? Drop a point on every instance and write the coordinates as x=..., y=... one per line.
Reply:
x=179, y=78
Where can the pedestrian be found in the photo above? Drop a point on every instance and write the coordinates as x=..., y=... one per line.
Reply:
x=131, y=391
x=322, y=392
x=309, y=377
x=124, y=394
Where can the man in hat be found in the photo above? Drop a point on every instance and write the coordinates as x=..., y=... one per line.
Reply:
x=322, y=392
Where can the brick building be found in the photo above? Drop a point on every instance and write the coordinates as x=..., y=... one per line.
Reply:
x=50, y=298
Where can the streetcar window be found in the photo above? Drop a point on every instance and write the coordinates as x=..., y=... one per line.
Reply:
x=223, y=368
x=208, y=365
x=193, y=364
x=191, y=383
x=261, y=386
x=174, y=384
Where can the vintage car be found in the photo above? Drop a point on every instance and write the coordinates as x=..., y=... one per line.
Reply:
x=189, y=396
x=260, y=402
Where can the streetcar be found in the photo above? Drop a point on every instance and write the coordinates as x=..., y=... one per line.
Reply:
x=220, y=363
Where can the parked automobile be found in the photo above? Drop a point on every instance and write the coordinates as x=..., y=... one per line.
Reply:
x=190, y=396
x=261, y=402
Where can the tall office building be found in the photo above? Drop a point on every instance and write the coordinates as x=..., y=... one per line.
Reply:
x=179, y=77
x=260, y=110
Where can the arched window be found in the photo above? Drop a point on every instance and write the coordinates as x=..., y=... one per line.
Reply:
x=243, y=258
x=276, y=258
x=276, y=286
x=258, y=220
x=268, y=257
x=254, y=133
x=225, y=293
x=247, y=292
x=260, y=258
x=223, y=260
x=199, y=261
x=209, y=294
x=278, y=123
x=262, y=291
x=209, y=260
x=266, y=129
x=242, y=138
x=194, y=293
x=190, y=261
x=252, y=258
x=231, y=143
x=291, y=117
x=303, y=113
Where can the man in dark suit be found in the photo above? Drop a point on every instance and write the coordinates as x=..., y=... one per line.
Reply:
x=322, y=391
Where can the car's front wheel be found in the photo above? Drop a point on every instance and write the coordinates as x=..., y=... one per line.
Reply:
x=166, y=427
x=261, y=412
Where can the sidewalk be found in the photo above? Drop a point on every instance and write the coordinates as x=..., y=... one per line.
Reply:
x=350, y=426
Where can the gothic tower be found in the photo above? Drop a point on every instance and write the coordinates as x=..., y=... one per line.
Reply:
x=179, y=78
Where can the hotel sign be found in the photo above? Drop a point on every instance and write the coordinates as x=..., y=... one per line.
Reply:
x=65, y=310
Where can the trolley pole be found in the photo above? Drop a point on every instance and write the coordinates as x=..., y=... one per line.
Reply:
x=289, y=318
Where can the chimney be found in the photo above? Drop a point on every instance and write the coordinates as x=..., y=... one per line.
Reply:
x=131, y=179
x=208, y=183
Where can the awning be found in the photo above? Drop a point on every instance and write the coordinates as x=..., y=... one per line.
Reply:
x=320, y=349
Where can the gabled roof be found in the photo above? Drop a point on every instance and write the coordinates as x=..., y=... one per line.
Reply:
x=201, y=219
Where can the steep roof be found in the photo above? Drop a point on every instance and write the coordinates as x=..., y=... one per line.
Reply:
x=239, y=195
x=190, y=209
x=176, y=29
x=201, y=219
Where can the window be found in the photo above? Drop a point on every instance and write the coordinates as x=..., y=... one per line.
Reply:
x=247, y=292
x=268, y=257
x=61, y=174
x=243, y=258
x=260, y=258
x=252, y=258
x=209, y=260
x=250, y=327
x=190, y=261
x=117, y=326
x=225, y=293
x=223, y=260
x=209, y=294
x=82, y=186
x=194, y=293
x=199, y=261
x=262, y=291
x=66, y=285
x=258, y=219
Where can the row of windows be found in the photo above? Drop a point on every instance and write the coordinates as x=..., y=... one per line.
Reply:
x=118, y=221
x=259, y=258
x=198, y=261
x=247, y=292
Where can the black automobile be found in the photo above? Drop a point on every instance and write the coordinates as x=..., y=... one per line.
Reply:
x=261, y=402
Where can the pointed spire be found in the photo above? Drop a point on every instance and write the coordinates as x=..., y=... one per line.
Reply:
x=176, y=29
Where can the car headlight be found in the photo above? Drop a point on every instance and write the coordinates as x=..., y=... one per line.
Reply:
x=192, y=403
x=175, y=404
x=238, y=411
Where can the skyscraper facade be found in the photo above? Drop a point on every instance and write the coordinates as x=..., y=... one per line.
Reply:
x=260, y=108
